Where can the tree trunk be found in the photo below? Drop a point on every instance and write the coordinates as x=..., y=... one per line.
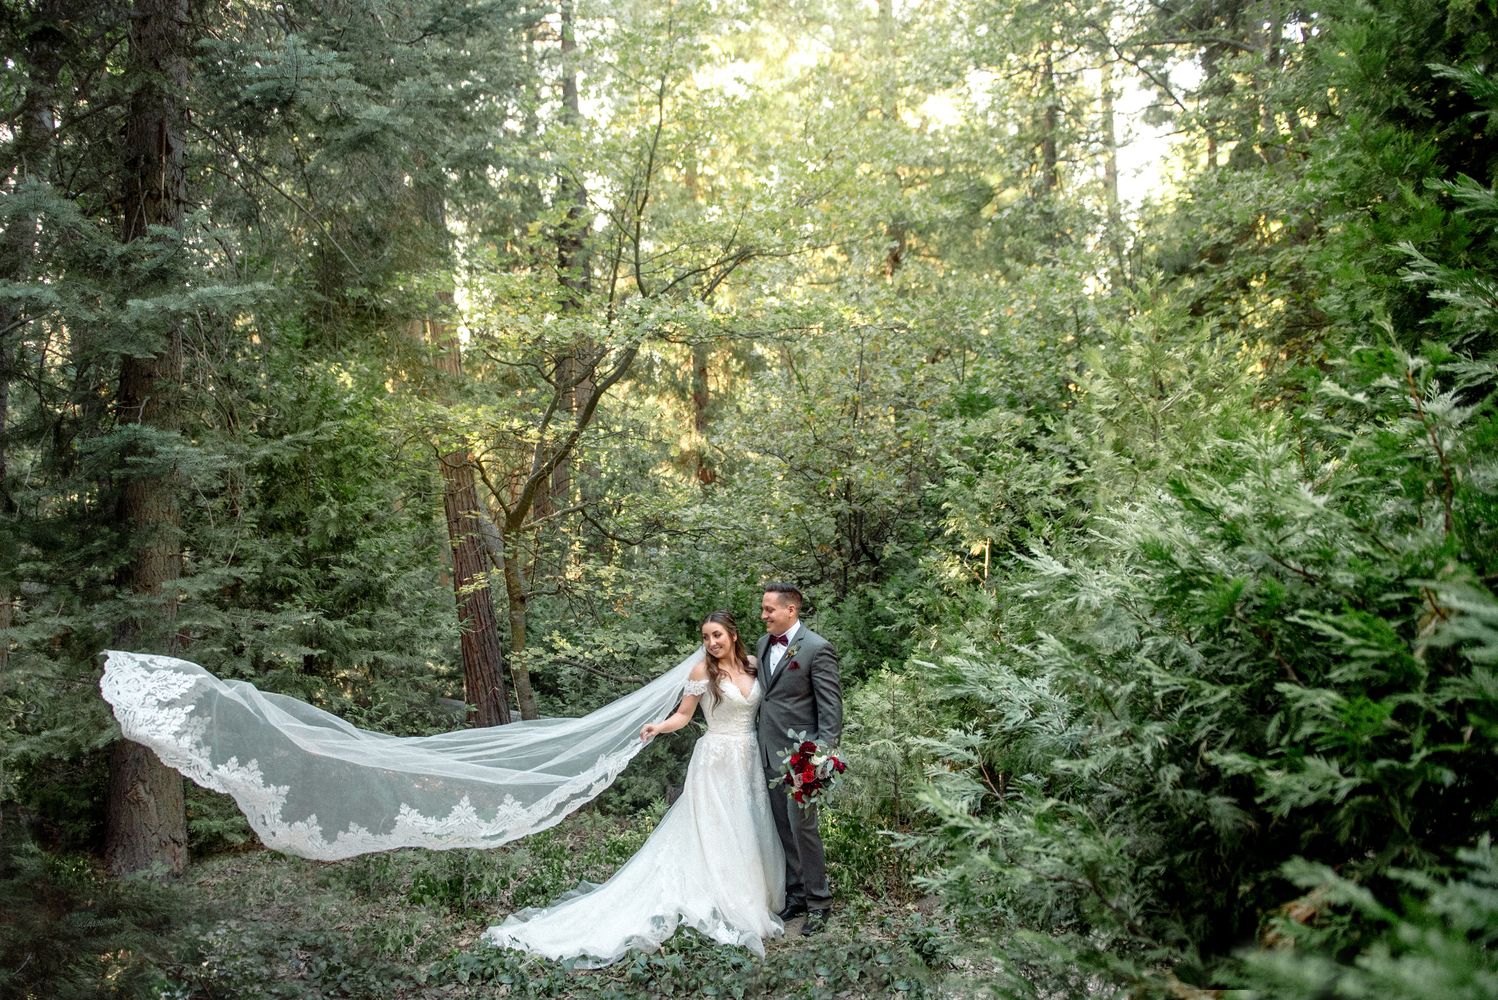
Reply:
x=7, y=619
x=516, y=597
x=572, y=258
x=146, y=822
x=1211, y=56
x=1050, y=157
x=1270, y=147
x=701, y=355
x=573, y=267
x=483, y=659
x=705, y=472
x=1110, y=177
x=896, y=231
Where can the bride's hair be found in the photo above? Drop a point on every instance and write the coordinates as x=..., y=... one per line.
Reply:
x=739, y=653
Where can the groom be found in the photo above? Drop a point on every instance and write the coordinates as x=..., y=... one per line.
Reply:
x=798, y=672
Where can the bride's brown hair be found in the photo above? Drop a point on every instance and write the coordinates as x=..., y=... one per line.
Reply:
x=740, y=654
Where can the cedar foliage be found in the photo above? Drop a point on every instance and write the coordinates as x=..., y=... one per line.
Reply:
x=1247, y=701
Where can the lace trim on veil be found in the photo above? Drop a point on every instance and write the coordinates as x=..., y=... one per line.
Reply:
x=279, y=758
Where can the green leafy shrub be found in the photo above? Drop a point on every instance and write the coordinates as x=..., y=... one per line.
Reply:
x=68, y=931
x=1268, y=651
x=1439, y=942
x=1279, y=656
x=890, y=962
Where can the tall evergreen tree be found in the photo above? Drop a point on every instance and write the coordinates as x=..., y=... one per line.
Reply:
x=147, y=822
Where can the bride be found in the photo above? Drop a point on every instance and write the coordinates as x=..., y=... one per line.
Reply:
x=312, y=785
x=714, y=863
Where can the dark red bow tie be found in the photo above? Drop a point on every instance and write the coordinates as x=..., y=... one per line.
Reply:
x=779, y=640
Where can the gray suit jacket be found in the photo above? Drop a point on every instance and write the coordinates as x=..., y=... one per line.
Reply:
x=803, y=695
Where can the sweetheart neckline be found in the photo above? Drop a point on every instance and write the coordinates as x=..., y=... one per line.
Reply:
x=742, y=696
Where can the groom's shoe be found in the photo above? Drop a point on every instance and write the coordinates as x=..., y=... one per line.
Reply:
x=790, y=911
x=816, y=920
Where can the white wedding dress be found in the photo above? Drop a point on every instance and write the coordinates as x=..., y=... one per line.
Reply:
x=313, y=785
x=714, y=863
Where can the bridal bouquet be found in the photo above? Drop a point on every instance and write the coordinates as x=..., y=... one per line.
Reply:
x=808, y=772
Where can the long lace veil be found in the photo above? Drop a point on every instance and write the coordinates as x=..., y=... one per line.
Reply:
x=313, y=785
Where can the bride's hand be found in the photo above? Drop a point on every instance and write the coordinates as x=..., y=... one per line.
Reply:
x=649, y=731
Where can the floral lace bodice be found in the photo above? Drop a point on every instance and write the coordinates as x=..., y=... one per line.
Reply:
x=733, y=715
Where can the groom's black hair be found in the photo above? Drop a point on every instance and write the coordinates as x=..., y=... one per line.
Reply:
x=787, y=590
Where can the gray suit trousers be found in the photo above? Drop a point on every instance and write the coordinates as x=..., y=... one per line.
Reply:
x=805, y=862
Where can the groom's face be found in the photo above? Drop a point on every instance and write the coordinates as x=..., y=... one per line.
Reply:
x=777, y=613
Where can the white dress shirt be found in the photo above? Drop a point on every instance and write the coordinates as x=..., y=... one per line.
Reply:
x=776, y=652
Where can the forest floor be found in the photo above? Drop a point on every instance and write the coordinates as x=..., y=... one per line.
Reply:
x=407, y=924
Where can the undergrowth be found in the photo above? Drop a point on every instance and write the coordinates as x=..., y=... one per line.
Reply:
x=255, y=925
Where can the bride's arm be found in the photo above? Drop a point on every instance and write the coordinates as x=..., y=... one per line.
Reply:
x=683, y=713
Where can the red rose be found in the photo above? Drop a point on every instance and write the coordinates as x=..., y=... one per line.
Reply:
x=789, y=780
x=808, y=747
x=796, y=761
x=797, y=795
x=808, y=774
x=838, y=766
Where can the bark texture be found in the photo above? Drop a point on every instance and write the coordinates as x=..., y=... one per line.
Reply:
x=483, y=659
x=146, y=825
